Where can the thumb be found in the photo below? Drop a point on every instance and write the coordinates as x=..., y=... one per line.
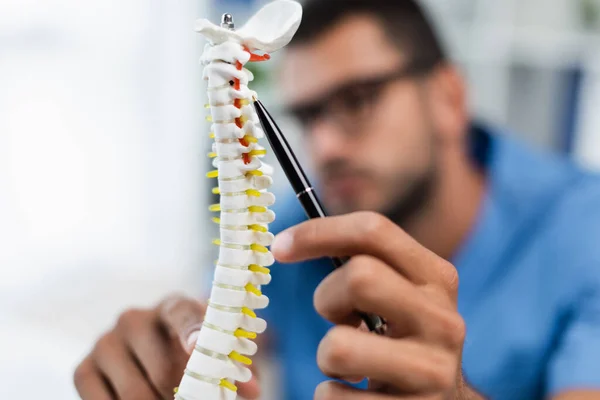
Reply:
x=182, y=318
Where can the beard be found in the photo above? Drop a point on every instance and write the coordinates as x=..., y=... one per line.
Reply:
x=409, y=194
x=413, y=195
x=415, y=199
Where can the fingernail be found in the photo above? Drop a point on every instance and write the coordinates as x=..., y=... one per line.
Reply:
x=192, y=339
x=354, y=380
x=282, y=243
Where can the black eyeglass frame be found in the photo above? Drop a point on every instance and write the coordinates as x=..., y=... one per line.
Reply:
x=307, y=113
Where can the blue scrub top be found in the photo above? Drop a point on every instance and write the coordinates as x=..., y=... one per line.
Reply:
x=529, y=281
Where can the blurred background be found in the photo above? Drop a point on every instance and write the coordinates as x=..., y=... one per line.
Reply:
x=103, y=196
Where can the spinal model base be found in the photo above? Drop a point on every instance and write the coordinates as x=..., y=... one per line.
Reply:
x=220, y=358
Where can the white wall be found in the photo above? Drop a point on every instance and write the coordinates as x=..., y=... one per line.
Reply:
x=101, y=175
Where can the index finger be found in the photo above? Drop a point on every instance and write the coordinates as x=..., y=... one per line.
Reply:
x=364, y=233
x=90, y=383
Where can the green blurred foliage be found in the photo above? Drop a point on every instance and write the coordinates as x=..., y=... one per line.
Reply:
x=261, y=73
x=590, y=13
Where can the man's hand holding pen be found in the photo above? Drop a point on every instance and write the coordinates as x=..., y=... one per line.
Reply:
x=393, y=276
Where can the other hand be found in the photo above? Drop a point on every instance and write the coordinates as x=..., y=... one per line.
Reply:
x=143, y=357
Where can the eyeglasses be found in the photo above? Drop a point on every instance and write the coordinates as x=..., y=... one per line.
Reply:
x=351, y=104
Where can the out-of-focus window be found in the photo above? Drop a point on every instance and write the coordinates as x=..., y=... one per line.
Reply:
x=532, y=65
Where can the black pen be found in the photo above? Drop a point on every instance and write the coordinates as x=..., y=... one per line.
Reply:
x=304, y=190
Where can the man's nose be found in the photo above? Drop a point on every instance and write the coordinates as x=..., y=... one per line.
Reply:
x=327, y=141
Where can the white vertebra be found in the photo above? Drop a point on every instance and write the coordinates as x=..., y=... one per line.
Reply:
x=224, y=342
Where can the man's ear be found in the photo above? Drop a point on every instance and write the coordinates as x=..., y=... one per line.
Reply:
x=449, y=105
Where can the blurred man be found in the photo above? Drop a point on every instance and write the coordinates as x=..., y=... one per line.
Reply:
x=421, y=195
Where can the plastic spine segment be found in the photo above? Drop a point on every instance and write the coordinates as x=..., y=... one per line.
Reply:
x=221, y=356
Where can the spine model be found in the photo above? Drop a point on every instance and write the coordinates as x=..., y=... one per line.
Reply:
x=224, y=345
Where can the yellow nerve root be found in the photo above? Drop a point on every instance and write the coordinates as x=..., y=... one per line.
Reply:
x=209, y=118
x=212, y=155
x=212, y=135
x=258, y=248
x=257, y=209
x=258, y=228
x=215, y=208
x=248, y=312
x=216, y=242
x=255, y=173
x=213, y=174
x=216, y=220
x=241, y=333
x=259, y=269
x=250, y=139
x=228, y=385
x=234, y=355
x=253, y=193
x=252, y=289
x=255, y=153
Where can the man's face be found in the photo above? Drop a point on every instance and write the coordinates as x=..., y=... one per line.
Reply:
x=373, y=145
